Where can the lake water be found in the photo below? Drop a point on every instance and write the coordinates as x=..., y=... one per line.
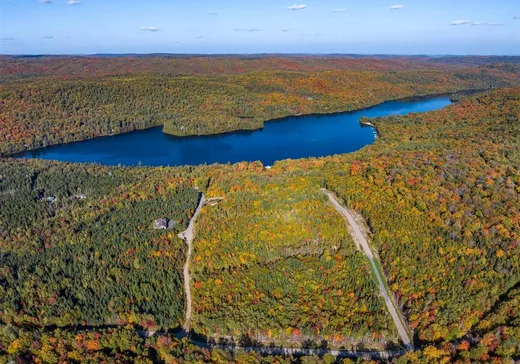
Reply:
x=293, y=137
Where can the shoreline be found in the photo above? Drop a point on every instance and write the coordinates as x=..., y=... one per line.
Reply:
x=20, y=154
x=332, y=113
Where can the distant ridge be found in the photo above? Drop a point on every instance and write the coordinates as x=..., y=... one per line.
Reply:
x=488, y=58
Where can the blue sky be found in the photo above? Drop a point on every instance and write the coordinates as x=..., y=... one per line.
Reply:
x=262, y=26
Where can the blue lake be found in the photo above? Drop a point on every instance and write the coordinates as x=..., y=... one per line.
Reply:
x=293, y=137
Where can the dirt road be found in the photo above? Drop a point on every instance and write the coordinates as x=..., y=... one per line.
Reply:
x=188, y=236
x=360, y=239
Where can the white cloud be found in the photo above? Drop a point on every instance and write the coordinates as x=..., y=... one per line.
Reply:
x=249, y=30
x=212, y=12
x=48, y=37
x=284, y=30
x=396, y=7
x=6, y=39
x=479, y=23
x=460, y=22
x=150, y=29
x=340, y=10
x=297, y=7
x=74, y=2
x=516, y=17
x=45, y=1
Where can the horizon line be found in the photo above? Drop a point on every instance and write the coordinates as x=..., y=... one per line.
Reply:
x=245, y=54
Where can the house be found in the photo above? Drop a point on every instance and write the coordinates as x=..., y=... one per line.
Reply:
x=81, y=196
x=164, y=224
x=160, y=224
x=50, y=199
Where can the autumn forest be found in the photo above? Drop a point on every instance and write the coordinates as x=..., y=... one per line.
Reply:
x=85, y=275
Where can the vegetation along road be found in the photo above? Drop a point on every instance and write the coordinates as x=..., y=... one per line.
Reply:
x=188, y=236
x=362, y=241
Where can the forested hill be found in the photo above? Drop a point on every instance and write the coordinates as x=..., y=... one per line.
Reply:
x=96, y=66
x=43, y=101
x=82, y=269
x=440, y=191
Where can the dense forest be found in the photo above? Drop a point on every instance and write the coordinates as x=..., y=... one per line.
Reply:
x=20, y=67
x=78, y=246
x=41, y=111
x=282, y=267
x=82, y=269
x=441, y=193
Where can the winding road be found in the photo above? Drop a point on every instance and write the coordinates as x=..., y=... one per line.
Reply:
x=362, y=241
